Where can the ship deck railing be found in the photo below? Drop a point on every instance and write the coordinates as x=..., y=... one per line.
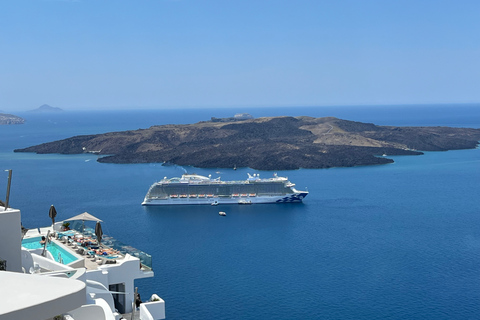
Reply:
x=222, y=182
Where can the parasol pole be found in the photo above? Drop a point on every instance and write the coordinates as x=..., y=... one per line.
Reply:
x=8, y=188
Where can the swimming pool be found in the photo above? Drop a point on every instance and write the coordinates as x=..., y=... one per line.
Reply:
x=58, y=252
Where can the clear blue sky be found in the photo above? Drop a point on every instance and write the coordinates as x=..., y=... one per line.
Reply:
x=104, y=54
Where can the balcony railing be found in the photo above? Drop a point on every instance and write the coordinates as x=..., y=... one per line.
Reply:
x=110, y=242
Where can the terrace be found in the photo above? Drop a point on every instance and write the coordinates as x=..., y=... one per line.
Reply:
x=50, y=266
x=79, y=247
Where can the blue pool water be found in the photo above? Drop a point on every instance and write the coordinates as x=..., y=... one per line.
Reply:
x=52, y=247
x=397, y=241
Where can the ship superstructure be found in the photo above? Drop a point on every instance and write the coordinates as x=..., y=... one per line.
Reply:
x=197, y=189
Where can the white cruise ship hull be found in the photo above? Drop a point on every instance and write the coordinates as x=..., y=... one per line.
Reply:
x=192, y=189
x=288, y=198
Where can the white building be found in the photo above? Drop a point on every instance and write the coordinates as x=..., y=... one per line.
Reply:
x=35, y=286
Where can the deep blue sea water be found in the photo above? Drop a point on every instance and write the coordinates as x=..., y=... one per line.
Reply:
x=397, y=241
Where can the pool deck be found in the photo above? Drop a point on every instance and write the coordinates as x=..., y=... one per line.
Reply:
x=90, y=263
x=87, y=261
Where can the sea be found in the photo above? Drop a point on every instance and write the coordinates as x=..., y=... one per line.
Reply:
x=395, y=241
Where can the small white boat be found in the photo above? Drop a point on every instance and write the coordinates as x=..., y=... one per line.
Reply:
x=244, y=201
x=222, y=213
x=214, y=203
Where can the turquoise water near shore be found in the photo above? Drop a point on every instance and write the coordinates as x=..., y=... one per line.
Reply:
x=397, y=241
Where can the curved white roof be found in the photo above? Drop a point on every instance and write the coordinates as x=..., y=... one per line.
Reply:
x=30, y=296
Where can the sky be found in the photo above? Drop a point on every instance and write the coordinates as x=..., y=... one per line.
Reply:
x=117, y=54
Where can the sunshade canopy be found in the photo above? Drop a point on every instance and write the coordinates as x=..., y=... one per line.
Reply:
x=52, y=213
x=98, y=232
x=84, y=216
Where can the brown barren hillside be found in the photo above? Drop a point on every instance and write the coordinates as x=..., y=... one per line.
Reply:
x=276, y=143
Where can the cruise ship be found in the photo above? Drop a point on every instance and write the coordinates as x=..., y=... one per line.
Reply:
x=197, y=189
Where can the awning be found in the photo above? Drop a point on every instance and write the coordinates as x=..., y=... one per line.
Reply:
x=85, y=217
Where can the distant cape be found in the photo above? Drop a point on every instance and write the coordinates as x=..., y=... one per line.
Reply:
x=46, y=108
x=6, y=118
x=276, y=143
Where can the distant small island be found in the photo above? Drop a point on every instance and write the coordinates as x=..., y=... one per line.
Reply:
x=237, y=117
x=274, y=143
x=6, y=118
x=46, y=108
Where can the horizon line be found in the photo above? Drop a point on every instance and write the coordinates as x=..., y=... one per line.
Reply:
x=139, y=108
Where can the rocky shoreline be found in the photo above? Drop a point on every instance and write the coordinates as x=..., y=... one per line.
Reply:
x=276, y=143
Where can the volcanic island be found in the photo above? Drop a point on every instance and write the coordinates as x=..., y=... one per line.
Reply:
x=270, y=143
